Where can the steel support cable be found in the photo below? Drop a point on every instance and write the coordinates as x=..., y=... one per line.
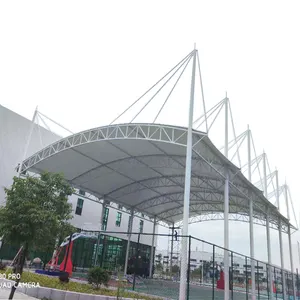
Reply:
x=271, y=173
x=56, y=123
x=208, y=115
x=202, y=92
x=256, y=156
x=165, y=102
x=45, y=124
x=269, y=176
x=290, y=196
x=218, y=106
x=158, y=91
x=233, y=142
x=238, y=147
x=234, y=134
x=211, y=110
x=243, y=136
x=252, y=162
x=272, y=194
x=212, y=123
x=257, y=167
x=184, y=59
x=39, y=130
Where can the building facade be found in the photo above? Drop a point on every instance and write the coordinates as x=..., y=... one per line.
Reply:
x=87, y=210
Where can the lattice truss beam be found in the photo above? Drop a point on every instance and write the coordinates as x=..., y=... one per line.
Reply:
x=233, y=217
x=207, y=185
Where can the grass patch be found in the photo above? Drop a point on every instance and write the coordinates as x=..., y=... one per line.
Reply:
x=53, y=282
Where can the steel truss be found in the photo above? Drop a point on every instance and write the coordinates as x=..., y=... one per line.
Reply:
x=207, y=186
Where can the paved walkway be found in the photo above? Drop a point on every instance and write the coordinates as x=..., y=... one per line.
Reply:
x=4, y=293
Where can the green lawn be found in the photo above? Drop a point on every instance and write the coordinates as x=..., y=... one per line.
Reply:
x=53, y=282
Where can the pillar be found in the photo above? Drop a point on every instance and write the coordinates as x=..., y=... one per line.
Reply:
x=280, y=238
x=152, y=249
x=128, y=242
x=251, y=226
x=187, y=189
x=290, y=238
x=268, y=228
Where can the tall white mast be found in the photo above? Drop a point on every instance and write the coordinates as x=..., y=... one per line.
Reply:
x=226, y=209
x=187, y=188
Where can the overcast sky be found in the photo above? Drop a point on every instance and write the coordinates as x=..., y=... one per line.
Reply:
x=83, y=62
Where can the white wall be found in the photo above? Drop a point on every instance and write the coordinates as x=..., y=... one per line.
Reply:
x=14, y=132
x=91, y=214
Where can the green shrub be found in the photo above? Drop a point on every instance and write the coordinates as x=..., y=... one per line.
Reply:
x=64, y=277
x=98, y=276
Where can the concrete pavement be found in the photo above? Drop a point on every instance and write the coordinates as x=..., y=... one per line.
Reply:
x=4, y=293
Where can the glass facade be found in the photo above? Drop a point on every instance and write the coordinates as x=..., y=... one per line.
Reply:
x=111, y=253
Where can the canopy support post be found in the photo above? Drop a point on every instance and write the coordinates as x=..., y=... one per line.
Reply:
x=152, y=249
x=128, y=242
x=187, y=189
x=251, y=227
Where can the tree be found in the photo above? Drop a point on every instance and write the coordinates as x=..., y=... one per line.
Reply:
x=35, y=211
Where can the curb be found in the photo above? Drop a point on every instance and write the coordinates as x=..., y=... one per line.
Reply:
x=54, y=294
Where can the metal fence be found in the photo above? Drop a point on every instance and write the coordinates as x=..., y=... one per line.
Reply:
x=159, y=275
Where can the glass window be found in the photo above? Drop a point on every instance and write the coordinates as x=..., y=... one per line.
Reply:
x=79, y=207
x=141, y=226
x=118, y=219
x=105, y=218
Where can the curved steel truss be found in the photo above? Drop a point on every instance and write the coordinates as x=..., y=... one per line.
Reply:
x=142, y=167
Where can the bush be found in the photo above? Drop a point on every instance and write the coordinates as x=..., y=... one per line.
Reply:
x=98, y=276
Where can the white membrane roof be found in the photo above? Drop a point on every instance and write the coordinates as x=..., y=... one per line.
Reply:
x=142, y=167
